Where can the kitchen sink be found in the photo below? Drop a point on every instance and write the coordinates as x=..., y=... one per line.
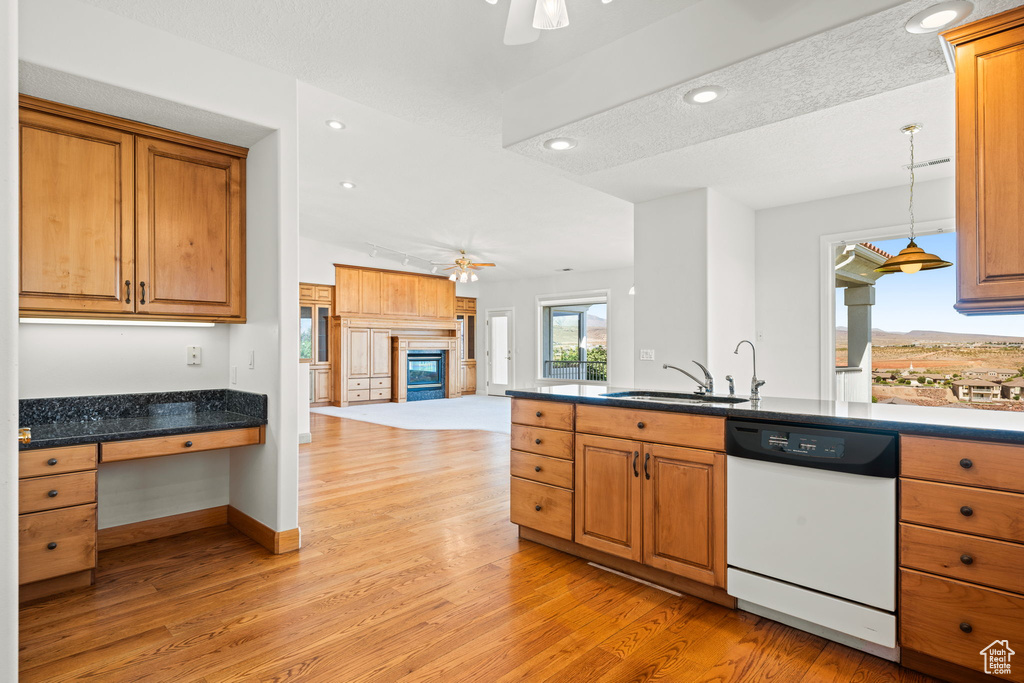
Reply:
x=668, y=397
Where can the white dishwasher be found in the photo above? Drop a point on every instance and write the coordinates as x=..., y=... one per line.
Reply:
x=811, y=536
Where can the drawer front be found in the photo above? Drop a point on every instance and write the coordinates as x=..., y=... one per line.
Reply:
x=380, y=382
x=56, y=460
x=546, y=414
x=551, y=442
x=542, y=507
x=554, y=471
x=361, y=395
x=974, y=463
x=72, y=532
x=307, y=292
x=380, y=394
x=183, y=443
x=963, y=508
x=969, y=558
x=358, y=384
x=58, y=491
x=933, y=610
x=676, y=429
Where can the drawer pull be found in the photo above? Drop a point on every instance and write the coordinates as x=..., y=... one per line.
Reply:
x=966, y=511
x=965, y=627
x=537, y=441
x=966, y=463
x=640, y=425
x=52, y=494
x=537, y=468
x=51, y=546
x=537, y=508
x=538, y=413
x=51, y=462
x=966, y=559
x=188, y=444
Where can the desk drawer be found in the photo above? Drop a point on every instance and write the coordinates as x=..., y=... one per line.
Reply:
x=959, y=556
x=551, y=442
x=44, y=461
x=973, y=463
x=541, y=468
x=183, y=443
x=58, y=491
x=955, y=621
x=652, y=426
x=72, y=534
x=542, y=507
x=963, y=508
x=548, y=414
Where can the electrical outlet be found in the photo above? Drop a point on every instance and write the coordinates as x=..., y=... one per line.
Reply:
x=646, y=354
x=193, y=355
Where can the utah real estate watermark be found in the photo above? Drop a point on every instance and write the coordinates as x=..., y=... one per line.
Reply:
x=997, y=657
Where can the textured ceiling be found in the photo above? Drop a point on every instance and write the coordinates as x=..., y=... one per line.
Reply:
x=867, y=57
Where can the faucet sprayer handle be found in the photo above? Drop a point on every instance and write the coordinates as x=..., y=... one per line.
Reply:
x=732, y=385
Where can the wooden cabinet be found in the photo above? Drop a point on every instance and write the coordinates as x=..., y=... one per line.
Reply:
x=392, y=294
x=608, y=495
x=123, y=220
x=368, y=366
x=542, y=471
x=465, y=316
x=990, y=154
x=316, y=304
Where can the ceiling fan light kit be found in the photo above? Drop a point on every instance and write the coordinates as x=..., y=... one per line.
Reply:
x=550, y=14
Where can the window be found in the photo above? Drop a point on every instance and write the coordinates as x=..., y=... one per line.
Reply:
x=574, y=340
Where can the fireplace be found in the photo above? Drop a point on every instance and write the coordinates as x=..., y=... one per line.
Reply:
x=425, y=373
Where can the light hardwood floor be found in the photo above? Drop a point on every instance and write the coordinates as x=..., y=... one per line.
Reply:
x=409, y=571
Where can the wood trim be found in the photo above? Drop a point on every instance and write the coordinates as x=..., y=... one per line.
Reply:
x=941, y=669
x=30, y=592
x=398, y=323
x=147, y=530
x=50, y=107
x=41, y=313
x=656, y=576
x=387, y=270
x=984, y=27
x=277, y=542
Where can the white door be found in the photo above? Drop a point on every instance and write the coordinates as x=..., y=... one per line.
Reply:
x=500, y=366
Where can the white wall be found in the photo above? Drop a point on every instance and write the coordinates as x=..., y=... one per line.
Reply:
x=71, y=37
x=788, y=273
x=521, y=296
x=8, y=338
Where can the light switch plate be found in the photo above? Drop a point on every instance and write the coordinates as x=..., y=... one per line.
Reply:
x=193, y=355
x=252, y=359
x=234, y=374
x=646, y=354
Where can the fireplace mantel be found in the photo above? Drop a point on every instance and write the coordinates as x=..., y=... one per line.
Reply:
x=400, y=347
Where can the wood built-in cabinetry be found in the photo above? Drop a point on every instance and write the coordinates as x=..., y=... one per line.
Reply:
x=465, y=316
x=961, y=555
x=369, y=364
x=370, y=292
x=989, y=159
x=641, y=491
x=316, y=305
x=123, y=220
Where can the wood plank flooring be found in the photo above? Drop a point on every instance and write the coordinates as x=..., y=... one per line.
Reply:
x=409, y=571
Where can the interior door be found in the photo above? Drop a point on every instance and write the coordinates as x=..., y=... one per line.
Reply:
x=609, y=483
x=500, y=349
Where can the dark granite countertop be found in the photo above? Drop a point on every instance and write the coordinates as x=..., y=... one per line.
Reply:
x=952, y=422
x=70, y=421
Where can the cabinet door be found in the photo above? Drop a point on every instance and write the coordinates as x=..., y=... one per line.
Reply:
x=77, y=247
x=399, y=295
x=684, y=512
x=469, y=386
x=381, y=353
x=321, y=385
x=370, y=294
x=428, y=296
x=347, y=291
x=445, y=299
x=359, y=352
x=608, y=490
x=191, y=245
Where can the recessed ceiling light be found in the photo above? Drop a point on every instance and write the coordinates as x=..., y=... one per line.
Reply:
x=606, y=1
x=348, y=186
x=938, y=17
x=560, y=144
x=705, y=94
x=335, y=124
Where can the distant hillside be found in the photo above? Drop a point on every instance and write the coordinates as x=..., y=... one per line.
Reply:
x=884, y=338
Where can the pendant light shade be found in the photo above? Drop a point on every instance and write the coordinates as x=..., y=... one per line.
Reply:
x=550, y=14
x=913, y=258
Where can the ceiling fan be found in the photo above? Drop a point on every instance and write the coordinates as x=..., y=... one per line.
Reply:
x=463, y=268
x=527, y=18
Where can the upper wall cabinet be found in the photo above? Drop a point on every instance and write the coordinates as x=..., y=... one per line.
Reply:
x=990, y=163
x=124, y=220
x=391, y=294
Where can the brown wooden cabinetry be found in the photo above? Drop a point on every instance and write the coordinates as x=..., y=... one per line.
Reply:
x=368, y=365
x=124, y=220
x=465, y=315
x=315, y=340
x=392, y=294
x=990, y=154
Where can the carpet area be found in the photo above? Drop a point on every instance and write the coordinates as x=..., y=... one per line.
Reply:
x=486, y=413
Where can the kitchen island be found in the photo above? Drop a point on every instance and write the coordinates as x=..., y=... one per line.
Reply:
x=639, y=486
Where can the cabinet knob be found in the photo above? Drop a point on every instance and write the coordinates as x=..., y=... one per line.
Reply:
x=537, y=468
x=51, y=462
x=965, y=627
x=966, y=463
x=537, y=441
x=640, y=425
x=967, y=559
x=537, y=508
x=539, y=413
x=52, y=494
x=51, y=546
x=188, y=444
x=966, y=511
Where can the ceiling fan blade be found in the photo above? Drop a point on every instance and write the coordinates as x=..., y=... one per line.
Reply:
x=519, y=30
x=484, y=265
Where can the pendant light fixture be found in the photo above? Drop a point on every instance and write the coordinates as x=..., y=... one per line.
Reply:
x=550, y=14
x=913, y=258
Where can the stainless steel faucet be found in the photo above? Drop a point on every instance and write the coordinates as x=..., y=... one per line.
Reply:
x=732, y=385
x=707, y=386
x=755, y=383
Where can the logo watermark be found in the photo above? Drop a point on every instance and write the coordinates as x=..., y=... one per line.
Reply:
x=997, y=657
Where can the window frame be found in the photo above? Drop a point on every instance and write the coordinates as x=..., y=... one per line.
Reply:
x=543, y=301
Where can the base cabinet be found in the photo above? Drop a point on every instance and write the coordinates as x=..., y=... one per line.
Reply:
x=608, y=491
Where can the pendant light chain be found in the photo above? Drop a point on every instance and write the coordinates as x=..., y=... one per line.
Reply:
x=912, y=185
